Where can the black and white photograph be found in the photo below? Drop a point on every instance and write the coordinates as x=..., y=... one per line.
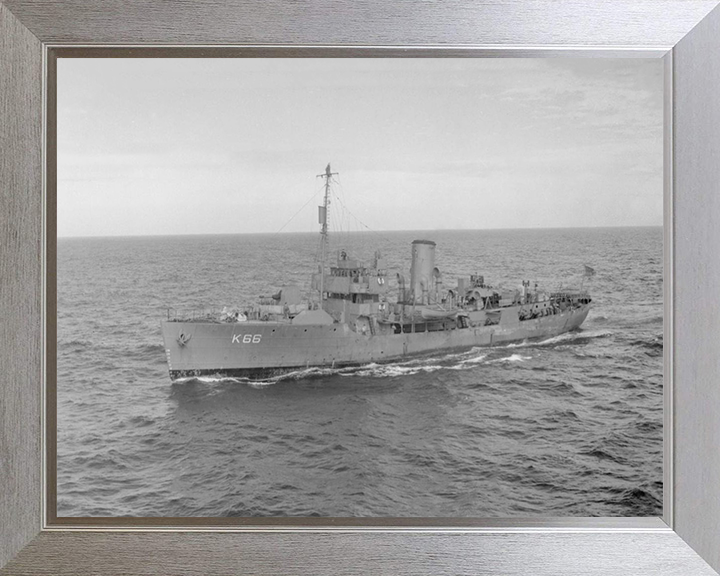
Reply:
x=408, y=288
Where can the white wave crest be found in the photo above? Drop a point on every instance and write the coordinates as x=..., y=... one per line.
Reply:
x=442, y=358
x=569, y=336
x=392, y=370
x=512, y=358
x=560, y=338
x=474, y=360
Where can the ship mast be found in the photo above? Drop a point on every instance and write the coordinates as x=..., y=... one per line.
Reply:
x=323, y=218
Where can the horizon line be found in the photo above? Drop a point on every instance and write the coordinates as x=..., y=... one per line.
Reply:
x=361, y=231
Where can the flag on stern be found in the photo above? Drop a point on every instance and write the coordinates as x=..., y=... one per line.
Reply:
x=589, y=271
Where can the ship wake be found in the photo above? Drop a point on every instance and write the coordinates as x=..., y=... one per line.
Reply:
x=465, y=360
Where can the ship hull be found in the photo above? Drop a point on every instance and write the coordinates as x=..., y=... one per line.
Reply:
x=263, y=350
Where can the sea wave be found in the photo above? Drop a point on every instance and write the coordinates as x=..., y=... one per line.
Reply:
x=652, y=345
x=511, y=358
x=526, y=425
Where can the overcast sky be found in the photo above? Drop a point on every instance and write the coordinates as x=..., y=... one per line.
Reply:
x=200, y=146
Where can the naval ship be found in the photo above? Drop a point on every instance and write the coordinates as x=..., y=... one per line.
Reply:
x=352, y=317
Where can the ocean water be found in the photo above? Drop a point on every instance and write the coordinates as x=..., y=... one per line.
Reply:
x=565, y=426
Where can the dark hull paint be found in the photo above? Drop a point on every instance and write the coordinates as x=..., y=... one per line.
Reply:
x=264, y=350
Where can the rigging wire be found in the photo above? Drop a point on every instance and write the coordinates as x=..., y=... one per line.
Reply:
x=340, y=220
x=301, y=209
x=341, y=224
x=356, y=218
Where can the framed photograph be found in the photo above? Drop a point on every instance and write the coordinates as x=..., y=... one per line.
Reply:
x=540, y=362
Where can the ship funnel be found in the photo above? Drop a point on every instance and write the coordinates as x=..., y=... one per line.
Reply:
x=421, y=270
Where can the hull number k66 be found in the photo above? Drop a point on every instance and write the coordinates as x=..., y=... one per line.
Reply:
x=246, y=338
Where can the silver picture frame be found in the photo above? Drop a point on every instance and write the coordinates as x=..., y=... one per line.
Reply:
x=686, y=540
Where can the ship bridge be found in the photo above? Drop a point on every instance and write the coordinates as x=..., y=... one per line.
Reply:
x=352, y=289
x=350, y=279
